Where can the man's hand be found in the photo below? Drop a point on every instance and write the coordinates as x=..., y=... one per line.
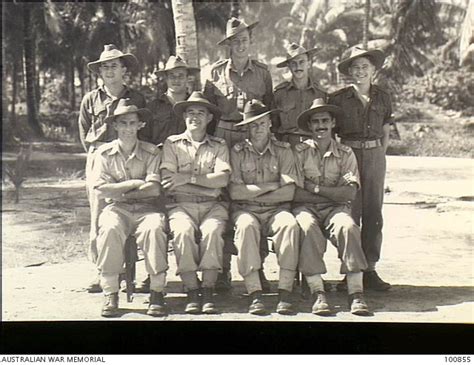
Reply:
x=173, y=180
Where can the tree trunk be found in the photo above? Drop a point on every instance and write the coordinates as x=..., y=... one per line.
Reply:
x=72, y=85
x=365, y=34
x=80, y=74
x=29, y=66
x=14, y=93
x=186, y=36
x=466, y=44
x=37, y=83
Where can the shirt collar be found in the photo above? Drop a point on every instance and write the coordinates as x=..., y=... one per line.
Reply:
x=332, y=148
x=269, y=147
x=122, y=94
x=187, y=137
x=248, y=66
x=311, y=84
x=353, y=92
x=137, y=151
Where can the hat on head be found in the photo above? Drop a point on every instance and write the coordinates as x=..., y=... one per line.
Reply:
x=376, y=56
x=176, y=62
x=111, y=52
x=254, y=110
x=125, y=106
x=235, y=26
x=318, y=106
x=294, y=50
x=196, y=98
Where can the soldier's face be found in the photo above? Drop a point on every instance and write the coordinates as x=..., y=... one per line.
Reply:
x=197, y=118
x=299, y=66
x=127, y=126
x=362, y=70
x=177, y=80
x=112, y=71
x=321, y=125
x=260, y=129
x=240, y=44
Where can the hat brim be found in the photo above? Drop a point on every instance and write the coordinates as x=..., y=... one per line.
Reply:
x=303, y=118
x=144, y=115
x=311, y=52
x=181, y=106
x=130, y=60
x=252, y=119
x=249, y=27
x=377, y=58
x=190, y=69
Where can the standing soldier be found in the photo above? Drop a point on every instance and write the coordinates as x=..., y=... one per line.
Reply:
x=322, y=205
x=195, y=168
x=365, y=127
x=165, y=122
x=96, y=105
x=233, y=82
x=294, y=96
x=127, y=175
x=263, y=179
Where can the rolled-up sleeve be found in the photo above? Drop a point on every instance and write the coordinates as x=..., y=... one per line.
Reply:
x=222, y=159
x=349, y=171
x=388, y=118
x=236, y=175
x=289, y=172
x=169, y=159
x=153, y=168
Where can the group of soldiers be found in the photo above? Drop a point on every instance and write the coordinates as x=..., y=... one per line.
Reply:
x=241, y=160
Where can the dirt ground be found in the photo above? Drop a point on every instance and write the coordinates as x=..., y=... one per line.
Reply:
x=427, y=251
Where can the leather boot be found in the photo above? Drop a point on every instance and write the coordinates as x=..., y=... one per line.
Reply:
x=224, y=281
x=208, y=307
x=157, y=306
x=284, y=304
x=256, y=304
x=266, y=287
x=110, y=307
x=373, y=281
x=358, y=305
x=320, y=305
x=144, y=286
x=193, y=306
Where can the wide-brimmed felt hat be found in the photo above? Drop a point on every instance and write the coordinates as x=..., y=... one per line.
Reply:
x=111, y=52
x=235, y=26
x=196, y=98
x=294, y=50
x=126, y=106
x=318, y=106
x=254, y=110
x=175, y=62
x=375, y=55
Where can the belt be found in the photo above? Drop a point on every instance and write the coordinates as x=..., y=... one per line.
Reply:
x=229, y=125
x=362, y=144
x=192, y=199
x=259, y=204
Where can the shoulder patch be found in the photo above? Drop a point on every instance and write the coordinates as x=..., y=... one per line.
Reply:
x=300, y=147
x=281, y=144
x=239, y=146
x=219, y=63
x=260, y=64
x=105, y=147
x=282, y=85
x=174, y=137
x=150, y=148
x=344, y=148
x=217, y=139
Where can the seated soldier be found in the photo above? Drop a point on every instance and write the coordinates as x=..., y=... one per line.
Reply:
x=127, y=177
x=331, y=180
x=262, y=185
x=195, y=168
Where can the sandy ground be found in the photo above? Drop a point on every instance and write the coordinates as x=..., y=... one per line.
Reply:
x=427, y=254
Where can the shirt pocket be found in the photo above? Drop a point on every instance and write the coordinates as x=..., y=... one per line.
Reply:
x=376, y=118
x=185, y=164
x=287, y=112
x=207, y=162
x=249, y=173
x=272, y=171
x=331, y=178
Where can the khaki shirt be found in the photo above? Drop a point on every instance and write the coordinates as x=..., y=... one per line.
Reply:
x=231, y=91
x=291, y=102
x=358, y=122
x=95, y=107
x=112, y=167
x=165, y=123
x=275, y=164
x=180, y=155
x=337, y=167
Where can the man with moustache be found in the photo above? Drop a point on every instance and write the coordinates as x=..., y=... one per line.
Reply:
x=365, y=127
x=264, y=174
x=295, y=96
x=112, y=66
x=322, y=204
x=233, y=82
x=194, y=169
